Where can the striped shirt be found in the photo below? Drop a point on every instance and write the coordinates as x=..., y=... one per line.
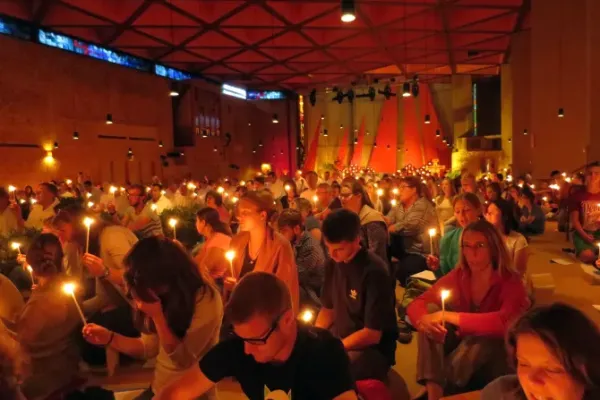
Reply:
x=412, y=224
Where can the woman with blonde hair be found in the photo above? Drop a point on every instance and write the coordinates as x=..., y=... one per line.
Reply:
x=258, y=247
x=443, y=202
x=462, y=347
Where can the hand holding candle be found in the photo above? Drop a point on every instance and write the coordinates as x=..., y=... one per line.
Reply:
x=315, y=200
x=69, y=288
x=230, y=255
x=173, y=225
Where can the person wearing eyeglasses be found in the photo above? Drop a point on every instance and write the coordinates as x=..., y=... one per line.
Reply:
x=270, y=355
x=463, y=345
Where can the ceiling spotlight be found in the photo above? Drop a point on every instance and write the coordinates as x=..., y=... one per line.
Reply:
x=561, y=112
x=387, y=92
x=55, y=145
x=406, y=89
x=254, y=150
x=427, y=119
x=204, y=133
x=275, y=119
x=173, y=92
x=325, y=132
x=355, y=140
x=415, y=88
x=249, y=123
x=348, y=11
x=130, y=151
x=160, y=144
x=341, y=126
x=109, y=119
x=75, y=135
x=437, y=133
x=525, y=133
x=215, y=149
x=260, y=144
x=322, y=117
x=375, y=144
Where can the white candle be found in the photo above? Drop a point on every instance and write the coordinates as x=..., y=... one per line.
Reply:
x=394, y=202
x=154, y=207
x=69, y=288
x=30, y=270
x=173, y=224
x=444, y=295
x=315, y=200
x=432, y=233
x=230, y=255
x=88, y=222
x=113, y=190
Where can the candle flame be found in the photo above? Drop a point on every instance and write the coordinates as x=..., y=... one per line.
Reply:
x=33, y=201
x=69, y=288
x=153, y=207
x=87, y=221
x=432, y=232
x=395, y=191
x=29, y=269
x=172, y=222
x=220, y=189
x=191, y=186
x=242, y=183
x=394, y=202
x=113, y=190
x=234, y=200
x=445, y=294
x=379, y=192
x=11, y=188
x=230, y=255
x=315, y=199
x=287, y=187
x=90, y=204
x=15, y=245
x=68, y=182
x=307, y=316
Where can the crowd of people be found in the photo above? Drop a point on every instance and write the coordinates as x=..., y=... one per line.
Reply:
x=292, y=290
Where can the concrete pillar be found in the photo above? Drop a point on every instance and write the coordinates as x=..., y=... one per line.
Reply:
x=506, y=105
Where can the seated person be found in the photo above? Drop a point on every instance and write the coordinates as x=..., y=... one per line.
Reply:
x=291, y=193
x=48, y=325
x=180, y=312
x=499, y=214
x=533, y=220
x=140, y=218
x=270, y=355
x=373, y=226
x=158, y=199
x=327, y=201
x=11, y=302
x=310, y=259
x=213, y=199
x=585, y=216
x=357, y=299
x=463, y=345
x=550, y=363
x=467, y=209
x=408, y=223
x=8, y=215
x=311, y=224
x=217, y=240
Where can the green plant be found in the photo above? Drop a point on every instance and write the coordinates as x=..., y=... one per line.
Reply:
x=186, y=224
x=8, y=255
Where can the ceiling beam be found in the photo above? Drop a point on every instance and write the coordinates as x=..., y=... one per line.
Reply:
x=121, y=28
x=523, y=11
x=441, y=6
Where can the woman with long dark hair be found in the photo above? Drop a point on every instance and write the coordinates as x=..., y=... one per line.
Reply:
x=499, y=214
x=291, y=193
x=213, y=199
x=218, y=238
x=179, y=311
x=47, y=328
x=556, y=351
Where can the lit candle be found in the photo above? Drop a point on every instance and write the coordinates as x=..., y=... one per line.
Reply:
x=113, y=190
x=379, y=193
x=90, y=204
x=394, y=202
x=69, y=182
x=16, y=246
x=154, y=207
x=191, y=186
x=33, y=201
x=230, y=255
x=545, y=198
x=69, y=288
x=148, y=188
x=242, y=183
x=234, y=200
x=307, y=316
x=122, y=189
x=173, y=224
x=88, y=222
x=287, y=188
x=11, y=189
x=315, y=199
x=395, y=191
x=163, y=192
x=568, y=180
x=88, y=195
x=444, y=295
x=220, y=190
x=432, y=233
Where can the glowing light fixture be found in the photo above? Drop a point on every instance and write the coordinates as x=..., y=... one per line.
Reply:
x=348, y=11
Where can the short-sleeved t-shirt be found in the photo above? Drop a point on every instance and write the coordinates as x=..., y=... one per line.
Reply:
x=360, y=293
x=317, y=369
x=588, y=205
x=153, y=228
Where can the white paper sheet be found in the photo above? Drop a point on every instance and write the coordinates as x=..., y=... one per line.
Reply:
x=425, y=275
x=562, y=261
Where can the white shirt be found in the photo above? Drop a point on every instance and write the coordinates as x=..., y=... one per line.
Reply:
x=277, y=189
x=39, y=215
x=162, y=204
x=183, y=201
x=8, y=222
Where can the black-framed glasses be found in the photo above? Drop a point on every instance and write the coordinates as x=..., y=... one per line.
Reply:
x=262, y=340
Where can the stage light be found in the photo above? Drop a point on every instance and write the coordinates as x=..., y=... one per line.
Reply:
x=406, y=89
x=348, y=11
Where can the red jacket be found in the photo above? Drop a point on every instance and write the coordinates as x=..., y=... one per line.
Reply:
x=505, y=301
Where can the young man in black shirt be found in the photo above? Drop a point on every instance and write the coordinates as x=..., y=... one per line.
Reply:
x=271, y=356
x=358, y=299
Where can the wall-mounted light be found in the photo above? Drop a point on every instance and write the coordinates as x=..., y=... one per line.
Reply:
x=160, y=144
x=173, y=92
x=561, y=112
x=355, y=140
x=254, y=150
x=322, y=117
x=427, y=119
x=55, y=145
x=437, y=133
x=525, y=132
x=348, y=11
x=76, y=135
x=260, y=143
x=249, y=123
x=109, y=119
x=375, y=144
x=275, y=119
x=204, y=134
x=325, y=132
x=215, y=149
x=234, y=91
x=130, y=151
